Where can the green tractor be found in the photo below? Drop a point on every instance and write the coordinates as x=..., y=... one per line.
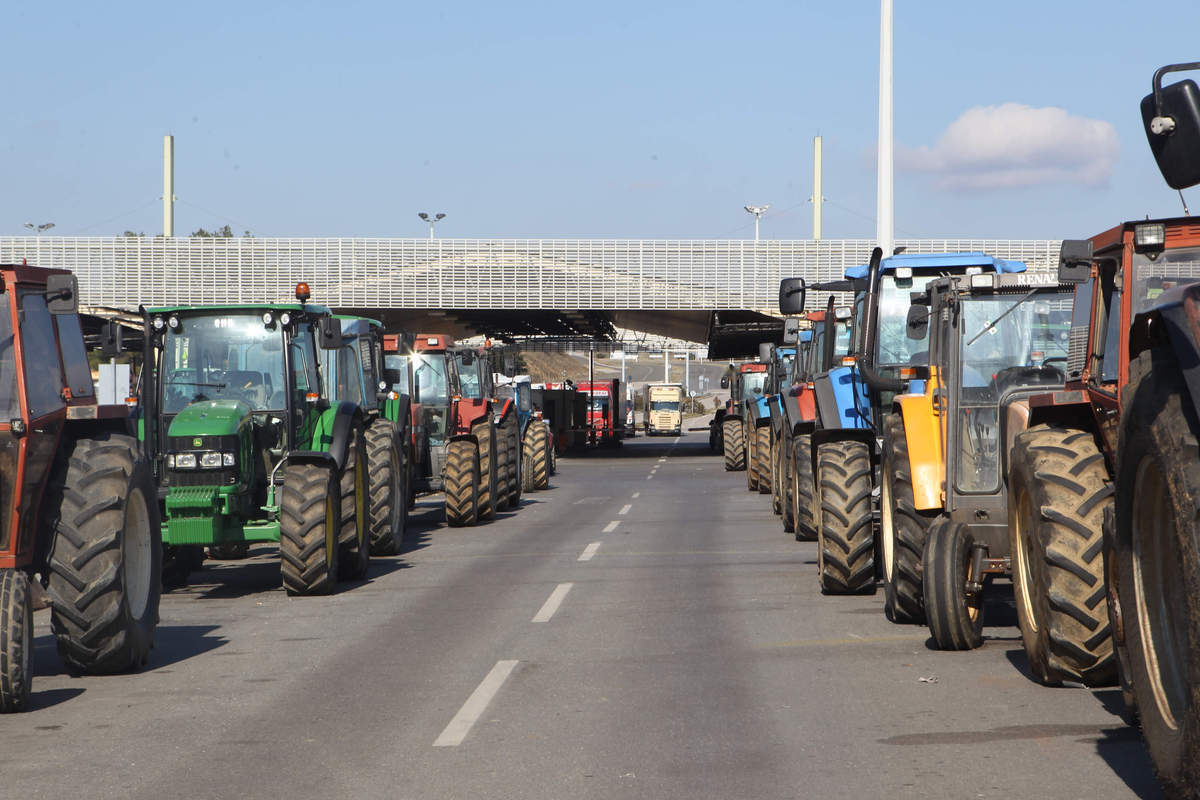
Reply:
x=354, y=372
x=246, y=445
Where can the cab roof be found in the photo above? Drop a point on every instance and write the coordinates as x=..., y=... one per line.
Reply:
x=936, y=261
x=311, y=308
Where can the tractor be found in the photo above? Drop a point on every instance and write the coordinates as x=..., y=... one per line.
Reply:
x=78, y=496
x=850, y=399
x=779, y=372
x=745, y=384
x=536, y=440
x=995, y=340
x=354, y=372
x=500, y=460
x=246, y=445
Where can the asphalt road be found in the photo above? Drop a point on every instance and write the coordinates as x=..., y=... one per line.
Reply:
x=643, y=629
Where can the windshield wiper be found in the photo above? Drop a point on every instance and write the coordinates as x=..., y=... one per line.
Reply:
x=197, y=383
x=1007, y=311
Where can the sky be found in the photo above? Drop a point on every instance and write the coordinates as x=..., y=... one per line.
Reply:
x=559, y=119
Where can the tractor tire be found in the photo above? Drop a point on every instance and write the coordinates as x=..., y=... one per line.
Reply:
x=733, y=444
x=511, y=434
x=903, y=529
x=1158, y=563
x=846, y=541
x=1058, y=490
x=501, y=468
x=762, y=459
x=527, y=483
x=354, y=540
x=105, y=565
x=16, y=641
x=776, y=479
x=787, y=478
x=552, y=456
x=1129, y=711
x=229, y=551
x=309, y=528
x=485, y=434
x=536, y=461
x=178, y=562
x=388, y=478
x=462, y=483
x=802, y=497
x=955, y=620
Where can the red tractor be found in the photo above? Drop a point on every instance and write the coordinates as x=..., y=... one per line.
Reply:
x=76, y=493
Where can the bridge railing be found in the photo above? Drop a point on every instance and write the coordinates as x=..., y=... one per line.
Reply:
x=466, y=273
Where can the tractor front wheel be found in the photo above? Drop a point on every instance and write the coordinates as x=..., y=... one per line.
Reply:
x=388, y=475
x=461, y=483
x=733, y=442
x=846, y=541
x=354, y=539
x=955, y=618
x=105, y=565
x=309, y=527
x=802, y=496
x=16, y=641
x=904, y=529
x=762, y=459
x=485, y=434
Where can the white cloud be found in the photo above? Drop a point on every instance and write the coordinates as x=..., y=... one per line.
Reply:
x=1014, y=145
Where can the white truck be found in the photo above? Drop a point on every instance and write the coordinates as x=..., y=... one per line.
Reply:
x=662, y=409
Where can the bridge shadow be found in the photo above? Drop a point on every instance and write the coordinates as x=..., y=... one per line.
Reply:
x=648, y=447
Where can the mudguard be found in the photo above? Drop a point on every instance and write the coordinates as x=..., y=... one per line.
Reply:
x=776, y=406
x=1173, y=320
x=840, y=402
x=760, y=412
x=346, y=416
x=926, y=463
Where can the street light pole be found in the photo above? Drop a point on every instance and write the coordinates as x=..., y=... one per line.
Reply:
x=432, y=220
x=39, y=229
x=757, y=211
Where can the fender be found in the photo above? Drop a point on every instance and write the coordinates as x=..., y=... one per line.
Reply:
x=838, y=402
x=346, y=416
x=776, y=406
x=922, y=432
x=1173, y=320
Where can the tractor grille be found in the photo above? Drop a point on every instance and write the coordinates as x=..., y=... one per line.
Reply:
x=226, y=476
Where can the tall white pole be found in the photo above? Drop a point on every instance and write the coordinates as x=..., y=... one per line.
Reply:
x=687, y=374
x=168, y=185
x=817, y=198
x=666, y=365
x=756, y=216
x=884, y=210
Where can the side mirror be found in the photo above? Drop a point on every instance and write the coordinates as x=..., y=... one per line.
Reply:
x=1171, y=117
x=791, y=295
x=62, y=294
x=329, y=333
x=467, y=358
x=111, y=339
x=791, y=330
x=1075, y=261
x=725, y=382
x=917, y=324
x=765, y=351
x=391, y=377
x=843, y=313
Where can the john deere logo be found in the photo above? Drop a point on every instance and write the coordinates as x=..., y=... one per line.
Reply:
x=197, y=442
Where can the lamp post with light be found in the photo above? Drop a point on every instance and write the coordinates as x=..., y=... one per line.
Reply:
x=39, y=229
x=432, y=220
x=757, y=211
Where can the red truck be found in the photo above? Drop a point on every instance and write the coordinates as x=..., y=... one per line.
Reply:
x=605, y=415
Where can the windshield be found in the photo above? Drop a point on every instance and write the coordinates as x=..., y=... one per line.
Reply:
x=468, y=378
x=1169, y=268
x=599, y=404
x=752, y=385
x=894, y=346
x=664, y=405
x=225, y=356
x=8, y=368
x=399, y=365
x=430, y=375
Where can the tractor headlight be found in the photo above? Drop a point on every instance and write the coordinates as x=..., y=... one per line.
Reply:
x=227, y=460
x=159, y=323
x=173, y=322
x=210, y=460
x=185, y=461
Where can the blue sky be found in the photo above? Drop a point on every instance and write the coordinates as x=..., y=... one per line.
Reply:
x=621, y=119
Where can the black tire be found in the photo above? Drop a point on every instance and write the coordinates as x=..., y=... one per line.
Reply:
x=16, y=641
x=1058, y=491
x=802, y=499
x=955, y=620
x=846, y=541
x=552, y=460
x=1158, y=564
x=541, y=453
x=776, y=478
x=355, y=486
x=733, y=444
x=787, y=477
x=762, y=459
x=903, y=530
x=511, y=433
x=229, y=551
x=1129, y=711
x=461, y=483
x=485, y=434
x=105, y=565
x=387, y=477
x=527, y=451
x=309, y=528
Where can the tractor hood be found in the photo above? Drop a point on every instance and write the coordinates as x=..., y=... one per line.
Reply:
x=209, y=418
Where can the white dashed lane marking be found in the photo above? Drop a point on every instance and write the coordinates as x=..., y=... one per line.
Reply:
x=552, y=603
x=612, y=526
x=588, y=552
x=476, y=704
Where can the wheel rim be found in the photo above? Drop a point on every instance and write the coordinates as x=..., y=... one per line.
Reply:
x=887, y=523
x=1021, y=562
x=135, y=554
x=1156, y=577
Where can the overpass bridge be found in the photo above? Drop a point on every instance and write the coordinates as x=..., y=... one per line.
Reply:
x=714, y=291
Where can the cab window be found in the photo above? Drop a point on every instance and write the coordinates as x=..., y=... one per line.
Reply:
x=43, y=371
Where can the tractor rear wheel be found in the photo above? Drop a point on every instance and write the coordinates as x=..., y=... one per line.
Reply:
x=1059, y=489
x=734, y=445
x=762, y=458
x=955, y=619
x=485, y=434
x=802, y=497
x=904, y=529
x=1158, y=564
x=309, y=527
x=105, y=565
x=846, y=549
x=461, y=484
x=354, y=539
x=787, y=479
x=16, y=641
x=536, y=462
x=388, y=475
x=510, y=432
